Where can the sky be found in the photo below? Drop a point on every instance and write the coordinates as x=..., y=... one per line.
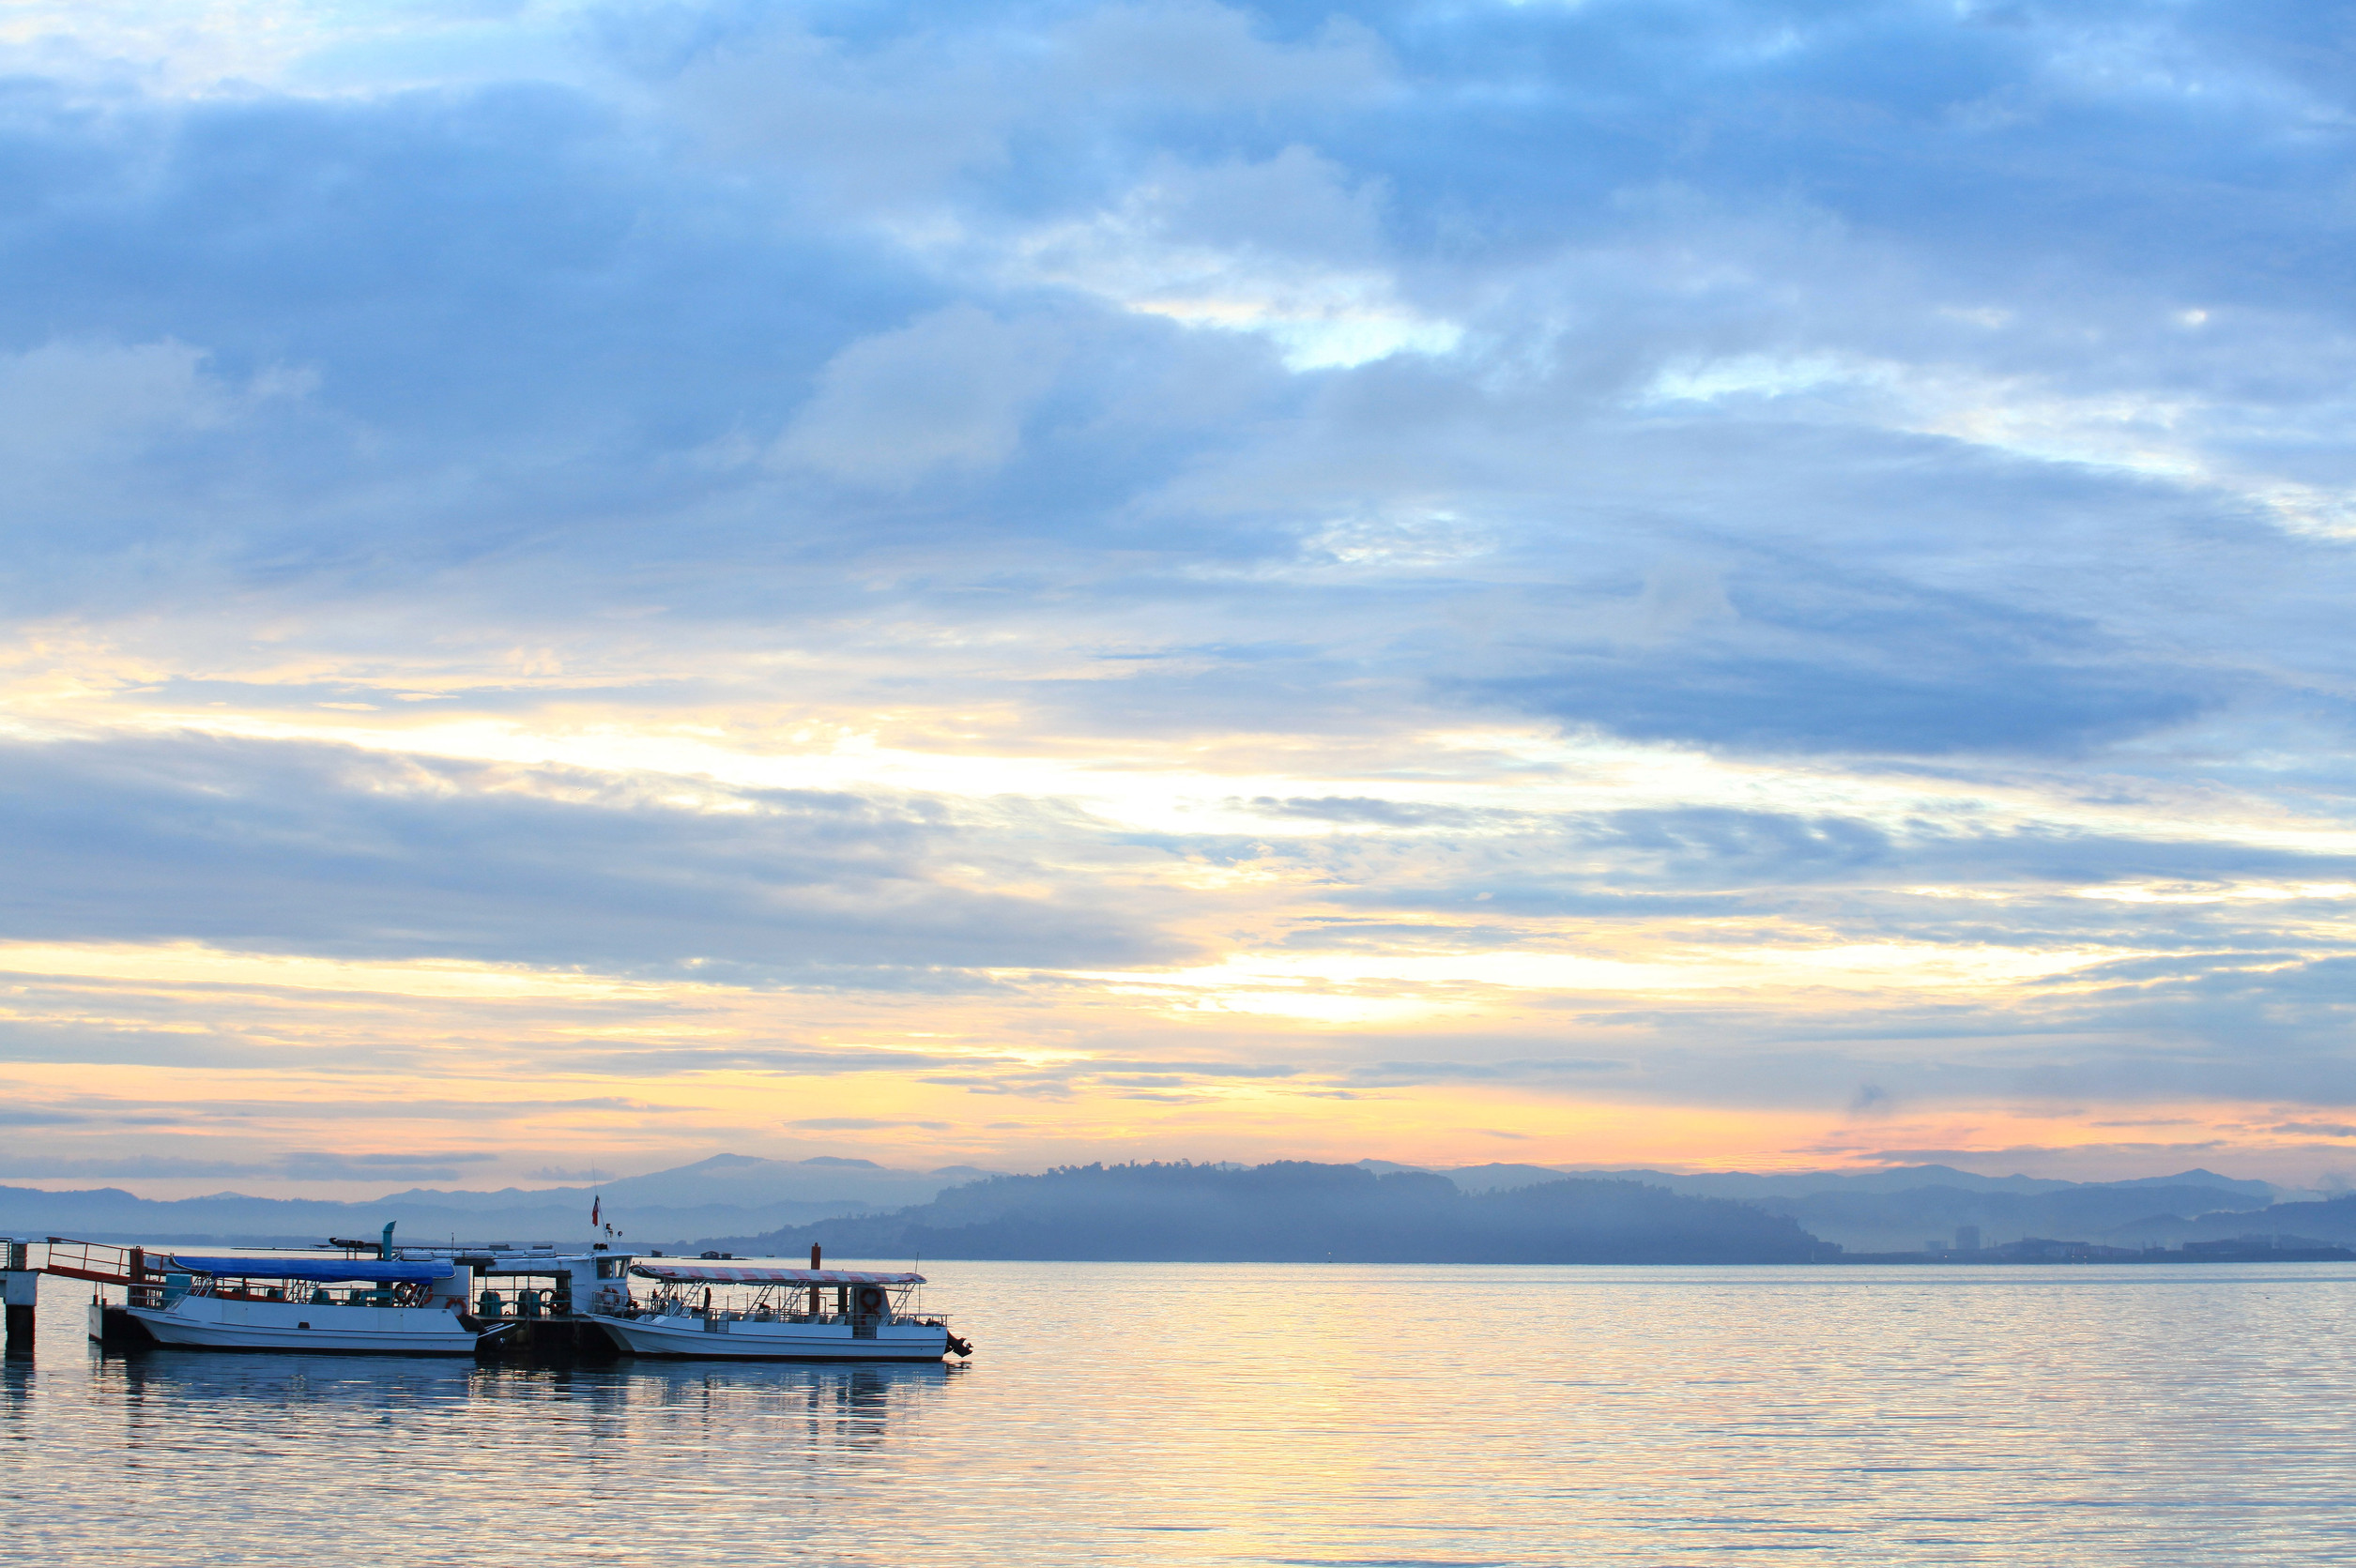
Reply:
x=1639, y=582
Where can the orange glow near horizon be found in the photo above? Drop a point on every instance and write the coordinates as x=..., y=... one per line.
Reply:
x=562, y=1067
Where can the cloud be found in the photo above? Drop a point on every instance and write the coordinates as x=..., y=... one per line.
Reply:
x=33, y=1116
x=659, y=1064
x=26, y=1040
x=76, y=402
x=1823, y=666
x=316, y=1166
x=48, y=1166
x=1284, y=247
x=1162, y=556
x=1526, y=1071
x=325, y=851
x=297, y=1166
x=890, y=119
x=948, y=390
x=861, y=1124
x=1871, y=1100
x=1362, y=809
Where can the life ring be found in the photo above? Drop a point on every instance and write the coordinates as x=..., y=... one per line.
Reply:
x=870, y=1299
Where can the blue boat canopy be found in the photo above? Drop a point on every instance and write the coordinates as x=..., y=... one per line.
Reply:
x=716, y=1274
x=322, y=1270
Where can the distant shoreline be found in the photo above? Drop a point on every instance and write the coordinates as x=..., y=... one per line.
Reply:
x=1897, y=1260
x=2284, y=1254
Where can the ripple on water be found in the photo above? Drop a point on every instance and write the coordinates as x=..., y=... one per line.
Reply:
x=1246, y=1413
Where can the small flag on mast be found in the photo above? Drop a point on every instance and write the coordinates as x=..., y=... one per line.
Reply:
x=595, y=1205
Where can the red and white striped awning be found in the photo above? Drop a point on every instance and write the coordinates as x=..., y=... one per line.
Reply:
x=720, y=1273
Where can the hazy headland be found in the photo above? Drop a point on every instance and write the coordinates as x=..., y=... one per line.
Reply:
x=1182, y=1210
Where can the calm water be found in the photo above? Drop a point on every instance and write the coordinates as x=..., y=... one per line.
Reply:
x=1261, y=1414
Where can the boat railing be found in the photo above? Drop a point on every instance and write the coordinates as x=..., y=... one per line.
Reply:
x=166, y=1288
x=861, y=1323
x=524, y=1303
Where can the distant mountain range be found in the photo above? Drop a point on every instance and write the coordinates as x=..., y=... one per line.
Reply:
x=2328, y=1220
x=737, y=1196
x=1899, y=1210
x=732, y=1193
x=1894, y=1178
x=1294, y=1211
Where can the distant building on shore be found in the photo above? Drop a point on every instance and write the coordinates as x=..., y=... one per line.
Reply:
x=1967, y=1237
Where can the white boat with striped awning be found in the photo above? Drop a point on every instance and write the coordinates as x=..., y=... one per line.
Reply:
x=737, y=1312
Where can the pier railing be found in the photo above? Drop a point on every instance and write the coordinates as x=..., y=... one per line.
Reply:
x=95, y=1260
x=102, y=1263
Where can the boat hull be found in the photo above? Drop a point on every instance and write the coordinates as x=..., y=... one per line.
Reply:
x=114, y=1325
x=747, y=1339
x=201, y=1323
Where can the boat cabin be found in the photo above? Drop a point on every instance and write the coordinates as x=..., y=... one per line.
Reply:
x=718, y=1293
x=537, y=1281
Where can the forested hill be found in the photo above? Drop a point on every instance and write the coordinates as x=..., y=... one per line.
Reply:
x=1298, y=1211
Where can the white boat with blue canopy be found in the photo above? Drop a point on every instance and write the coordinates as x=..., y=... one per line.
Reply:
x=352, y=1305
x=722, y=1311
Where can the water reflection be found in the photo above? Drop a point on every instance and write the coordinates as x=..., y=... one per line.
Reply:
x=846, y=1402
x=1150, y=1415
x=218, y=1378
x=718, y=1406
